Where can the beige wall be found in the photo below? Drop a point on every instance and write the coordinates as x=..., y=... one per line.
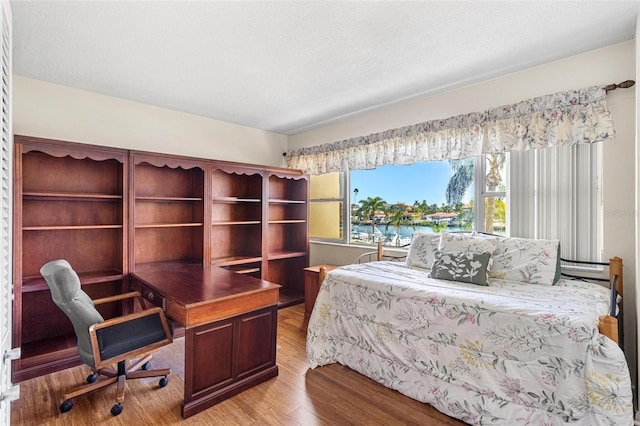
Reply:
x=612, y=64
x=57, y=112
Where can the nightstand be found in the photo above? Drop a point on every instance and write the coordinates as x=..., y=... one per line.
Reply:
x=312, y=286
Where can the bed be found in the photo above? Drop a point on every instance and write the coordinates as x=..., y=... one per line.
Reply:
x=506, y=352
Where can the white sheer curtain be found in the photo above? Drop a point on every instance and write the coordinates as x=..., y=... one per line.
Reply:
x=566, y=118
x=555, y=193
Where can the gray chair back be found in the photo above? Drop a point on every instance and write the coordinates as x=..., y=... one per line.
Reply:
x=67, y=294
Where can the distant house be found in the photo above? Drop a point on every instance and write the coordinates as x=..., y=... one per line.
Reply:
x=442, y=217
x=379, y=217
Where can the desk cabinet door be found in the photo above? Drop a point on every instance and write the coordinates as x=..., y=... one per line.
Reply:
x=212, y=356
x=255, y=342
x=229, y=352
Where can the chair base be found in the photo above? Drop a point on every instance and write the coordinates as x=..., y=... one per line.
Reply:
x=119, y=376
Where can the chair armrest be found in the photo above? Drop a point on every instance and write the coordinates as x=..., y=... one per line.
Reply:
x=117, y=297
x=129, y=336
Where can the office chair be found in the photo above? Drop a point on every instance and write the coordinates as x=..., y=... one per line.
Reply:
x=103, y=343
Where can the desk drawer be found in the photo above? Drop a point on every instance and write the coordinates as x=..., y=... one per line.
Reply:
x=149, y=295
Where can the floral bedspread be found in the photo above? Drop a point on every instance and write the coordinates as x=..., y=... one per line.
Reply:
x=510, y=353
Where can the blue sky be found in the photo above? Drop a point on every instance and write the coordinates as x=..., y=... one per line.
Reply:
x=420, y=181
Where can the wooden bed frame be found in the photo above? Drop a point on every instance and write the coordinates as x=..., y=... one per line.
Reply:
x=608, y=325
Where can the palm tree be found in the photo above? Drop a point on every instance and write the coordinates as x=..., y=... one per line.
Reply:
x=493, y=180
x=369, y=207
x=397, y=220
x=438, y=227
x=460, y=181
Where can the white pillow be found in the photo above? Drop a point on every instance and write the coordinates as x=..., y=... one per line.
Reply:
x=466, y=242
x=525, y=260
x=421, y=250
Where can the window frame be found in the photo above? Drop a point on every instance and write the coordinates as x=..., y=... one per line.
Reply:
x=481, y=193
x=345, y=199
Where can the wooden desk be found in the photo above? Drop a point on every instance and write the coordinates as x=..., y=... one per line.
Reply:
x=230, y=325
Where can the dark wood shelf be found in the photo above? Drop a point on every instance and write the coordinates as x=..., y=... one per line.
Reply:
x=68, y=227
x=241, y=269
x=285, y=254
x=288, y=221
x=35, y=352
x=163, y=199
x=70, y=196
x=37, y=283
x=289, y=297
x=169, y=225
x=235, y=200
x=237, y=222
x=283, y=201
x=235, y=260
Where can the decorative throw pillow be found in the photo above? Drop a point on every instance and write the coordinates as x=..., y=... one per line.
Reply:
x=466, y=242
x=467, y=267
x=525, y=260
x=421, y=250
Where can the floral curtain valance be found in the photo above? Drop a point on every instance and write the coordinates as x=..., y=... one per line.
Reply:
x=576, y=116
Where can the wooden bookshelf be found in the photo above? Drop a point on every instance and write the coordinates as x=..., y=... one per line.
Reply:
x=288, y=234
x=70, y=202
x=110, y=211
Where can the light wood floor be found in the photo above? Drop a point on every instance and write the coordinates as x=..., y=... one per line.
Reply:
x=330, y=395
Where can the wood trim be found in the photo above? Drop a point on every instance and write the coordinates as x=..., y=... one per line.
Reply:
x=615, y=268
x=169, y=160
x=117, y=297
x=79, y=151
x=608, y=326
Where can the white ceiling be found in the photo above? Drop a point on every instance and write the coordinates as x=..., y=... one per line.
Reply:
x=290, y=66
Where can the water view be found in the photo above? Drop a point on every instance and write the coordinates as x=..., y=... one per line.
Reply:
x=392, y=236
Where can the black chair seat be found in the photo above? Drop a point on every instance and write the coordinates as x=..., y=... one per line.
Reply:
x=130, y=336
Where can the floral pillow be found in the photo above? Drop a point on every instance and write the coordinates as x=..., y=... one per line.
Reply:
x=466, y=267
x=525, y=260
x=421, y=250
x=466, y=242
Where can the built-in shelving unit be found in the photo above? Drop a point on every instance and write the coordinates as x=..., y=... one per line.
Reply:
x=69, y=203
x=168, y=209
x=288, y=241
x=109, y=211
x=236, y=219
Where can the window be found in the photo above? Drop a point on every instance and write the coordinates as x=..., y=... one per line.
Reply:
x=326, y=207
x=552, y=193
x=390, y=203
x=492, y=194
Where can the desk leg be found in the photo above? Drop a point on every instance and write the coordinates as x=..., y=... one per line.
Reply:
x=226, y=357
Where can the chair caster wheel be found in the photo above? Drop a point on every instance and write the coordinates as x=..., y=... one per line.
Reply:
x=116, y=409
x=66, y=406
x=91, y=378
x=146, y=365
x=163, y=382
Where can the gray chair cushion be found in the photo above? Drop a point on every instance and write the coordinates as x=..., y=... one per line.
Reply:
x=69, y=297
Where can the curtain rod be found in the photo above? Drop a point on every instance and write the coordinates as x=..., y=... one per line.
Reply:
x=624, y=85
